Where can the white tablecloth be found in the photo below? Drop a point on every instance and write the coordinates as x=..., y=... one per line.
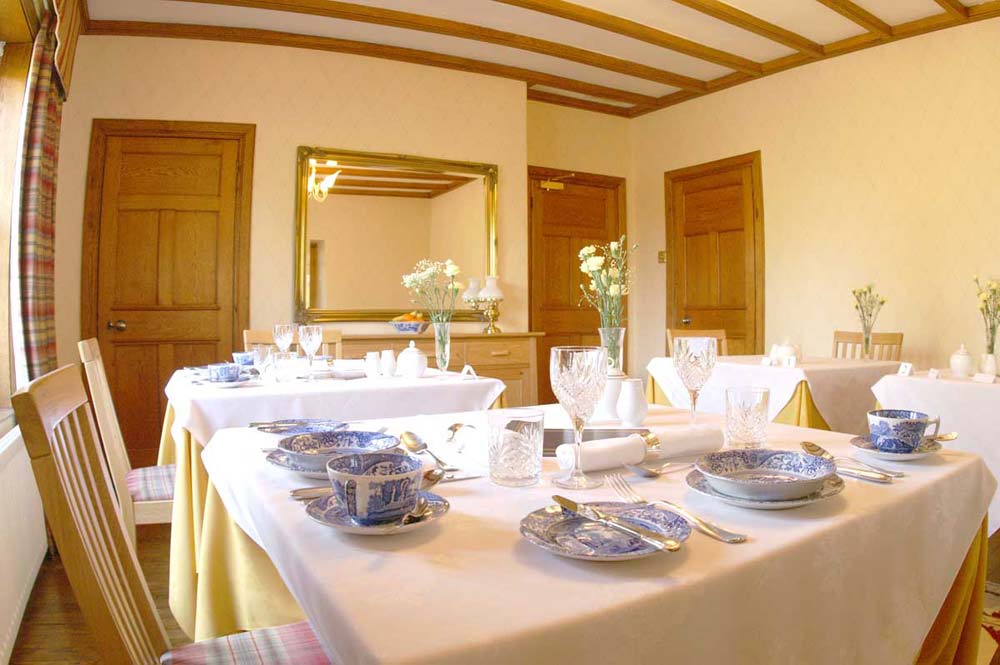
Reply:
x=202, y=408
x=841, y=388
x=964, y=406
x=855, y=579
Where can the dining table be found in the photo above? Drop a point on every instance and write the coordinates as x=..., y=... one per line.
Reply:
x=970, y=408
x=198, y=408
x=880, y=574
x=819, y=393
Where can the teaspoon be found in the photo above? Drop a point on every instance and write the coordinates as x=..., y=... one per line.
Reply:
x=415, y=444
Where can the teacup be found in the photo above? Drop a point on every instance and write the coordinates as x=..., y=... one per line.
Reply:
x=224, y=372
x=899, y=430
x=375, y=488
x=243, y=358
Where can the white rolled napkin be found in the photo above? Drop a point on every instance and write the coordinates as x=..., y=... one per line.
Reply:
x=688, y=440
x=604, y=453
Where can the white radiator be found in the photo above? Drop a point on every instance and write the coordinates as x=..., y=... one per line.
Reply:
x=22, y=534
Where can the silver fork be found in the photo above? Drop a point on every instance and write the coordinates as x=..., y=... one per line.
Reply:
x=628, y=494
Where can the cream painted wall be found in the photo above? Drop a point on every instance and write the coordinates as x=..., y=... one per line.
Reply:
x=560, y=137
x=880, y=166
x=295, y=97
x=458, y=229
x=396, y=229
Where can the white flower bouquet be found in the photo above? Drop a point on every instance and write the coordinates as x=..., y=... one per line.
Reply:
x=989, y=307
x=867, y=303
x=607, y=267
x=432, y=286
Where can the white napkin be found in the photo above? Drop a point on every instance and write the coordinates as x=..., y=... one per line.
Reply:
x=604, y=453
x=688, y=440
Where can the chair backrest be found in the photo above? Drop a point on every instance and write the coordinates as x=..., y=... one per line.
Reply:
x=98, y=556
x=107, y=425
x=333, y=341
x=885, y=346
x=688, y=332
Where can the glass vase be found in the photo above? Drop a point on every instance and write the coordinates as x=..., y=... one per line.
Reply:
x=613, y=339
x=867, y=350
x=442, y=344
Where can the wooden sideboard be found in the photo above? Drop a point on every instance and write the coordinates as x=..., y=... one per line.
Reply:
x=510, y=357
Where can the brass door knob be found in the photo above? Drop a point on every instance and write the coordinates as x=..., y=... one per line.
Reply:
x=686, y=320
x=118, y=325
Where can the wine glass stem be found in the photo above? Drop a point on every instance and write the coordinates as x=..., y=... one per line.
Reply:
x=694, y=403
x=578, y=425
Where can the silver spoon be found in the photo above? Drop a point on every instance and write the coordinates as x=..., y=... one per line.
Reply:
x=417, y=445
x=453, y=430
x=947, y=436
x=819, y=451
x=656, y=471
x=419, y=511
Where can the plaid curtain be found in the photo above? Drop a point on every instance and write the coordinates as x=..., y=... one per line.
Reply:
x=36, y=248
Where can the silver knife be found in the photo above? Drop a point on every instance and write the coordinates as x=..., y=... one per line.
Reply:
x=864, y=475
x=652, y=538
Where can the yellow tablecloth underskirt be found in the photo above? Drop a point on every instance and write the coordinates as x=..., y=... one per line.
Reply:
x=222, y=582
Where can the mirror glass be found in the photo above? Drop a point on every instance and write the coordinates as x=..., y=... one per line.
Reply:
x=365, y=219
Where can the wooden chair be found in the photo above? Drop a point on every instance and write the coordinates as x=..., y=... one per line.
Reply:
x=333, y=341
x=885, y=346
x=97, y=553
x=145, y=495
x=687, y=332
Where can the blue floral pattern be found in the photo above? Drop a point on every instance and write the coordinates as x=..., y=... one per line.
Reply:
x=897, y=430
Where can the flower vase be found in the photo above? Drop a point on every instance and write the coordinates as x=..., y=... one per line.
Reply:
x=867, y=350
x=988, y=364
x=442, y=344
x=613, y=339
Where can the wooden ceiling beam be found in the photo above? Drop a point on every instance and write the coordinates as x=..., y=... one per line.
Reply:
x=340, y=191
x=350, y=172
x=955, y=8
x=586, y=104
x=859, y=15
x=386, y=184
x=332, y=44
x=741, y=19
x=621, y=26
x=388, y=17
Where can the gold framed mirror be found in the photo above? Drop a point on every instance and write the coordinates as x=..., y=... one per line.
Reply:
x=363, y=219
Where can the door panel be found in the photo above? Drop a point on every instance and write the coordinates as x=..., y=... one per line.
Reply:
x=169, y=223
x=715, y=246
x=588, y=210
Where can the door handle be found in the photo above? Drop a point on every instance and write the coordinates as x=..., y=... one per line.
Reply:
x=686, y=321
x=118, y=325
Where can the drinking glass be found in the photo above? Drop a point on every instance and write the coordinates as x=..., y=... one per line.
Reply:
x=746, y=417
x=283, y=335
x=284, y=366
x=577, y=374
x=694, y=358
x=310, y=338
x=515, y=446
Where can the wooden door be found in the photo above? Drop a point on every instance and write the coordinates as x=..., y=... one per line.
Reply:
x=166, y=258
x=588, y=210
x=715, y=240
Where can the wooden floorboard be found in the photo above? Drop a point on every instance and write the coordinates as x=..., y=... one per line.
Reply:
x=53, y=630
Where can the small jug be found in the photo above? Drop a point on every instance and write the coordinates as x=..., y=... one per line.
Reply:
x=388, y=363
x=632, y=404
x=961, y=363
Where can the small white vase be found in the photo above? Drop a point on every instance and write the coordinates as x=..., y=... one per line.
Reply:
x=607, y=408
x=989, y=364
x=632, y=404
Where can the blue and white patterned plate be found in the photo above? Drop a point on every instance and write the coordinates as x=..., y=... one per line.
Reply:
x=570, y=535
x=280, y=459
x=765, y=475
x=316, y=448
x=328, y=512
x=927, y=447
x=292, y=427
x=832, y=486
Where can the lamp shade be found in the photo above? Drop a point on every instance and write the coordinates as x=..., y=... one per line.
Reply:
x=492, y=290
x=470, y=294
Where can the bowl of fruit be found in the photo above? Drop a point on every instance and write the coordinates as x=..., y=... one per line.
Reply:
x=411, y=323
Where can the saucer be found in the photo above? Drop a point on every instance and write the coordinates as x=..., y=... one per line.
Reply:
x=577, y=537
x=927, y=447
x=832, y=486
x=280, y=459
x=328, y=512
x=291, y=427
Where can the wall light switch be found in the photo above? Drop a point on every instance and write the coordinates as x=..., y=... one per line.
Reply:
x=661, y=257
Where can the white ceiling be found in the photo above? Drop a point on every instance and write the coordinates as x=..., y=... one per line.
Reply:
x=808, y=18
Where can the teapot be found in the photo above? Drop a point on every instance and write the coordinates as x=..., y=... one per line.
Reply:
x=411, y=362
x=961, y=363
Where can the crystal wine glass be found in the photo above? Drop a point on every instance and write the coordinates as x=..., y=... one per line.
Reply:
x=310, y=338
x=694, y=358
x=578, y=374
x=284, y=333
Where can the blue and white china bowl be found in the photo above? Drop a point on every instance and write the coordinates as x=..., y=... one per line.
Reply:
x=328, y=512
x=315, y=449
x=291, y=427
x=832, y=486
x=280, y=459
x=243, y=358
x=223, y=372
x=375, y=488
x=410, y=327
x=765, y=475
x=574, y=536
x=927, y=447
x=899, y=430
